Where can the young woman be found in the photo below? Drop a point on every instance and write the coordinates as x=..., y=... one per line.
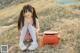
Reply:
x=28, y=22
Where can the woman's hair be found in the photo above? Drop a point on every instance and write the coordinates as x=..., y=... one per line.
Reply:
x=21, y=17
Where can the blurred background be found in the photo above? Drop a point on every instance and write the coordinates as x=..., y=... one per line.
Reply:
x=55, y=15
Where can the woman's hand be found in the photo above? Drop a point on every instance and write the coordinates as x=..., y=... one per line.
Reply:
x=37, y=30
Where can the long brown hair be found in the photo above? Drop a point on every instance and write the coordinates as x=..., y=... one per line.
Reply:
x=21, y=17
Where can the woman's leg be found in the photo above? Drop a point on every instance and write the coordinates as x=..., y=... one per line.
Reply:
x=32, y=31
x=22, y=35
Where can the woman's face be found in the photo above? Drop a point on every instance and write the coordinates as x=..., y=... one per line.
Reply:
x=28, y=14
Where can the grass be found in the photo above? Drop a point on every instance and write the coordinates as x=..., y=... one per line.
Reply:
x=51, y=17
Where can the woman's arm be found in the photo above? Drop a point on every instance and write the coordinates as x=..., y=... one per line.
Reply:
x=37, y=26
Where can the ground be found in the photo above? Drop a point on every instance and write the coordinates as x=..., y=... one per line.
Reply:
x=52, y=16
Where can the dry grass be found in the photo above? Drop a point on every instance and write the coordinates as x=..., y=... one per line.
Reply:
x=51, y=17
